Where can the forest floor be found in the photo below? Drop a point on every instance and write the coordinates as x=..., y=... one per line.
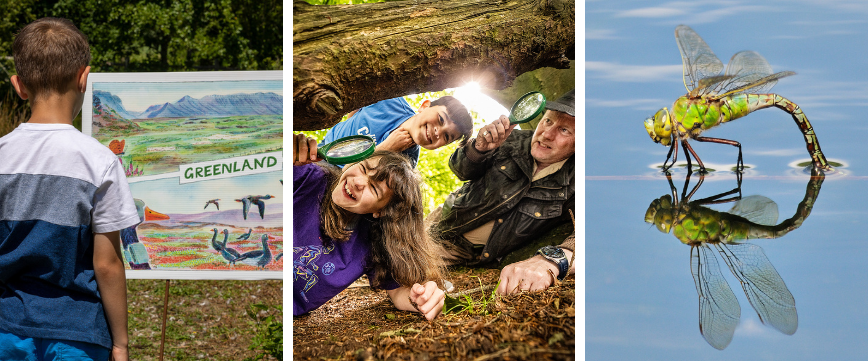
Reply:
x=362, y=324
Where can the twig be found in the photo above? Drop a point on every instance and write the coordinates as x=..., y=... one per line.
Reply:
x=483, y=326
x=492, y=355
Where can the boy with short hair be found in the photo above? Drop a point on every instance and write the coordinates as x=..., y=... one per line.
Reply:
x=63, y=199
x=397, y=127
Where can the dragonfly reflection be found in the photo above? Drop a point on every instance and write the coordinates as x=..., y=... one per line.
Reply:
x=706, y=230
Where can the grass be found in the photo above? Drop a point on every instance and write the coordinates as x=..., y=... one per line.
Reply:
x=207, y=320
x=465, y=303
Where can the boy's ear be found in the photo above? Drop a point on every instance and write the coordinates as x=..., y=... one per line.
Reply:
x=19, y=88
x=376, y=215
x=82, y=79
x=425, y=104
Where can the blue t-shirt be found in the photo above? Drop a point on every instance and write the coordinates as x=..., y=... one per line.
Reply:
x=57, y=188
x=377, y=120
x=322, y=267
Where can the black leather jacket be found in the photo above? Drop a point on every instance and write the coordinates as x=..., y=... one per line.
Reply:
x=499, y=188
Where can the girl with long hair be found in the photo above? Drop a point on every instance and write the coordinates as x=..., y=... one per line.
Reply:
x=363, y=219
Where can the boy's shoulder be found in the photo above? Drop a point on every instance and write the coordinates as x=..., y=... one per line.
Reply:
x=56, y=149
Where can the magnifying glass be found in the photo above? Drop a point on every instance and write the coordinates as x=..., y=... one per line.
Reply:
x=347, y=149
x=527, y=107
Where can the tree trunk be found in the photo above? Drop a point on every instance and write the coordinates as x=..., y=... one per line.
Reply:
x=347, y=57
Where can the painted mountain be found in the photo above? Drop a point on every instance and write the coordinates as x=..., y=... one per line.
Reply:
x=208, y=106
x=111, y=101
x=218, y=106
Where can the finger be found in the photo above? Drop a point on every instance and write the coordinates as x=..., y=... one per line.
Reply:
x=432, y=301
x=538, y=285
x=430, y=288
x=303, y=151
x=435, y=311
x=501, y=288
x=294, y=148
x=501, y=131
x=311, y=144
x=420, y=289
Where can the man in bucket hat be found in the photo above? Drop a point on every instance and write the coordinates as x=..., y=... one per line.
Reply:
x=520, y=185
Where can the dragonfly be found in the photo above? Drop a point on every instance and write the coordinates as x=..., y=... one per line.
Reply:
x=709, y=232
x=713, y=98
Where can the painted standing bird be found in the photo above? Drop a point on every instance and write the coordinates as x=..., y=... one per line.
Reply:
x=258, y=258
x=214, y=244
x=214, y=202
x=230, y=254
x=257, y=200
x=245, y=236
x=134, y=251
x=714, y=98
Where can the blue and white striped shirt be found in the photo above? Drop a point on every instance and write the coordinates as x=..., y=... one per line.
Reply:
x=57, y=188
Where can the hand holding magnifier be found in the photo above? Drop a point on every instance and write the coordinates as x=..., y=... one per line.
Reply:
x=526, y=108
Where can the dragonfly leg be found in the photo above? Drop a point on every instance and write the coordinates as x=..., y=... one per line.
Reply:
x=672, y=147
x=739, y=165
x=688, y=150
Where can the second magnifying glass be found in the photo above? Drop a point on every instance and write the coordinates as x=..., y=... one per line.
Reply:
x=347, y=149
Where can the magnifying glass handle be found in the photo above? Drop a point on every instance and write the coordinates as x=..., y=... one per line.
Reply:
x=512, y=120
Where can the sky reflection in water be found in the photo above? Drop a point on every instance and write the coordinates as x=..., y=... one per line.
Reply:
x=641, y=299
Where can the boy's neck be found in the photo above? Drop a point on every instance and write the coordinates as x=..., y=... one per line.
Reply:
x=56, y=108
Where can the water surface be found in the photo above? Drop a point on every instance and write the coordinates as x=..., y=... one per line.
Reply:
x=641, y=299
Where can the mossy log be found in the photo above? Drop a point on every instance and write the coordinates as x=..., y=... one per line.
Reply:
x=347, y=57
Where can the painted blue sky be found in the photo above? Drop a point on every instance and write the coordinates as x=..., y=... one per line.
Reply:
x=641, y=302
x=138, y=96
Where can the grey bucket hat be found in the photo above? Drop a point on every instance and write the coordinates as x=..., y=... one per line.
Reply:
x=564, y=104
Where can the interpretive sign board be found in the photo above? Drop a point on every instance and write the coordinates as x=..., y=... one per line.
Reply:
x=203, y=154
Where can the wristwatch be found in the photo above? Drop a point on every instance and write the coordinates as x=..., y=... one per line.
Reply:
x=557, y=256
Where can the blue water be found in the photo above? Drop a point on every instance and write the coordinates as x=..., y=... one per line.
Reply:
x=641, y=301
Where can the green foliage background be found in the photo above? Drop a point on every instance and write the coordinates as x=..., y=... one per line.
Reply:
x=157, y=35
x=433, y=165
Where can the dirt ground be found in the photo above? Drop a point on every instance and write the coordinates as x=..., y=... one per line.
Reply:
x=361, y=324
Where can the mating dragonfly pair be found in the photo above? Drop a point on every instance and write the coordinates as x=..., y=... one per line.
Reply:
x=708, y=231
x=713, y=98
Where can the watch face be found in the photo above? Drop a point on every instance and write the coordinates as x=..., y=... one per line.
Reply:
x=551, y=251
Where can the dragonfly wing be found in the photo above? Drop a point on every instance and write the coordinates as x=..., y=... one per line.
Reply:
x=763, y=286
x=697, y=59
x=718, y=308
x=757, y=209
x=750, y=73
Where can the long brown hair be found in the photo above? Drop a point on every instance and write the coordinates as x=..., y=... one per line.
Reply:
x=399, y=243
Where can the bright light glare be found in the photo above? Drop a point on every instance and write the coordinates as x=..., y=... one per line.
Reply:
x=472, y=98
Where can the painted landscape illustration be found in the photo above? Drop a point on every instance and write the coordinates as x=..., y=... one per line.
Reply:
x=233, y=129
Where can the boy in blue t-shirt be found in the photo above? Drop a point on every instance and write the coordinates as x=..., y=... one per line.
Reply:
x=397, y=127
x=63, y=199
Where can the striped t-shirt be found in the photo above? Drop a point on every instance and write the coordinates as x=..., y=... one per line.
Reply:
x=57, y=188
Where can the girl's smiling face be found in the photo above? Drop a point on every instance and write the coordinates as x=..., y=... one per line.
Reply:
x=356, y=192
